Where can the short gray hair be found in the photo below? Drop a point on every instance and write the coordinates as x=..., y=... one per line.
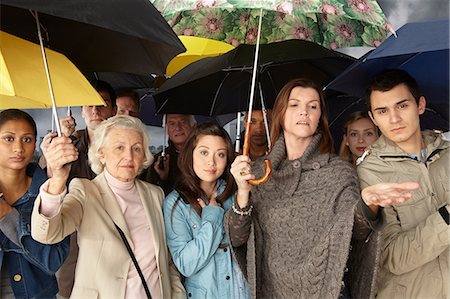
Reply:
x=101, y=132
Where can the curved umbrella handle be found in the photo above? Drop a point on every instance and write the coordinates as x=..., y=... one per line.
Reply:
x=245, y=151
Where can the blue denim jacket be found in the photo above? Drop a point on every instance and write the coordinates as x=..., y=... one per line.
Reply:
x=31, y=265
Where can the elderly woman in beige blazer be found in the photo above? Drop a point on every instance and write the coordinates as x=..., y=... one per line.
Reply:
x=94, y=207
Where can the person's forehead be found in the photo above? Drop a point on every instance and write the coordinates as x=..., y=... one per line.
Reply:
x=125, y=100
x=361, y=124
x=174, y=117
x=395, y=94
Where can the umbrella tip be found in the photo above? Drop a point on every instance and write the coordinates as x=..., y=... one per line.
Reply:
x=391, y=29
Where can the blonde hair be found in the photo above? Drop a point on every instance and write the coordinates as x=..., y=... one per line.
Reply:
x=101, y=134
x=344, y=150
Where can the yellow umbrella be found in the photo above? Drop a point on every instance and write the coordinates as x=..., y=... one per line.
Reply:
x=196, y=49
x=23, y=81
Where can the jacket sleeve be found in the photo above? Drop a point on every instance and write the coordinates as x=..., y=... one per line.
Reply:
x=407, y=250
x=191, y=252
x=48, y=258
x=52, y=230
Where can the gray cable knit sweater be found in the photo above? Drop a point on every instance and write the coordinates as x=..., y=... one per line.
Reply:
x=302, y=221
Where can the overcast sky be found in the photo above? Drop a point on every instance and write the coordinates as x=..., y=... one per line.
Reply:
x=400, y=12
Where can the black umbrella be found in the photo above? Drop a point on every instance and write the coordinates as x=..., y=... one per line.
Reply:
x=221, y=84
x=97, y=35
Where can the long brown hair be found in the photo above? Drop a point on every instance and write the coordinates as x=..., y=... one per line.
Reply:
x=280, y=107
x=188, y=185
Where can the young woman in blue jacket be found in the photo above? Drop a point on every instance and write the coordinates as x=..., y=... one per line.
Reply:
x=194, y=213
x=27, y=267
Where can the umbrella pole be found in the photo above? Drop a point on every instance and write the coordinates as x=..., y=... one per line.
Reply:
x=266, y=123
x=255, y=65
x=237, y=146
x=47, y=72
x=163, y=153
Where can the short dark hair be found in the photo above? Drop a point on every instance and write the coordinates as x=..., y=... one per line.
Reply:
x=101, y=85
x=389, y=79
x=16, y=114
x=126, y=92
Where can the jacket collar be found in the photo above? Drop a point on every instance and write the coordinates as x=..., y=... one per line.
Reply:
x=385, y=148
x=113, y=209
x=38, y=177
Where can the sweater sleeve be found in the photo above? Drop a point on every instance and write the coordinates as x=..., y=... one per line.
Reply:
x=239, y=226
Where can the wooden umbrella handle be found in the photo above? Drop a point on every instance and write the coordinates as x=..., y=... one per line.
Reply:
x=245, y=151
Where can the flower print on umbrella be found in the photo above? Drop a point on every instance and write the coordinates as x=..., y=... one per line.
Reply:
x=212, y=23
x=332, y=8
x=365, y=10
x=234, y=37
x=372, y=36
x=186, y=26
x=306, y=6
x=342, y=32
x=302, y=27
x=310, y=18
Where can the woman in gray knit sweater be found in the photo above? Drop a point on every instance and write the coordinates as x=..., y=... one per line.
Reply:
x=292, y=234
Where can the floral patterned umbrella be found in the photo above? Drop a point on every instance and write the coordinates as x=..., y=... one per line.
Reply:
x=330, y=23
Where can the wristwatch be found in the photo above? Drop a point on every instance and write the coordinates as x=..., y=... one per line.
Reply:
x=444, y=213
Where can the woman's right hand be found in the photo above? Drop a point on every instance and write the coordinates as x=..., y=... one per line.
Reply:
x=241, y=171
x=60, y=152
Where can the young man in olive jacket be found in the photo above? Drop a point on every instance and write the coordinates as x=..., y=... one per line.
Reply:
x=415, y=253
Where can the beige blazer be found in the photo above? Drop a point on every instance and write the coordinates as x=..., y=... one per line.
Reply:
x=103, y=260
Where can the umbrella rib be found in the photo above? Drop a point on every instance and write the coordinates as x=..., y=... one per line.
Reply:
x=345, y=110
x=271, y=81
x=162, y=106
x=217, y=94
x=410, y=58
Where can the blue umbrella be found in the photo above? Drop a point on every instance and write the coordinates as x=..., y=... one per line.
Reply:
x=421, y=49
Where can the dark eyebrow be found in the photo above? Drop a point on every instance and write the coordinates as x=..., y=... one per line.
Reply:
x=14, y=133
x=396, y=104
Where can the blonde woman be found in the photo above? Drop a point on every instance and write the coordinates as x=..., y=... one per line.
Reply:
x=359, y=133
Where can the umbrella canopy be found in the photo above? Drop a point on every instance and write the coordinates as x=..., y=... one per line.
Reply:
x=149, y=116
x=196, y=48
x=221, y=84
x=331, y=23
x=23, y=81
x=120, y=36
x=421, y=49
